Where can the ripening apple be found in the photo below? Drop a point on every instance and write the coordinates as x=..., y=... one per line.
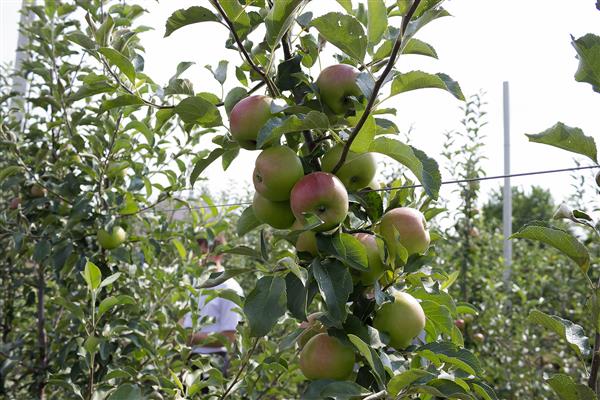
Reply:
x=460, y=323
x=276, y=171
x=14, y=203
x=275, y=213
x=401, y=320
x=336, y=83
x=38, y=191
x=478, y=337
x=326, y=357
x=411, y=227
x=469, y=318
x=321, y=194
x=113, y=239
x=376, y=266
x=246, y=119
x=307, y=240
x=312, y=327
x=358, y=169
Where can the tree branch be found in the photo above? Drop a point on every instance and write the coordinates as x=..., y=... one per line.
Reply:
x=375, y=396
x=242, y=368
x=272, y=88
x=378, y=84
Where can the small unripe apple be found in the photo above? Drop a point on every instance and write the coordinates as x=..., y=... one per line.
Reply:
x=598, y=179
x=307, y=240
x=326, y=357
x=474, y=232
x=38, y=191
x=478, y=337
x=376, y=266
x=276, y=171
x=410, y=225
x=278, y=214
x=246, y=119
x=113, y=239
x=358, y=169
x=14, y=203
x=460, y=323
x=336, y=83
x=312, y=327
x=323, y=195
x=469, y=318
x=402, y=320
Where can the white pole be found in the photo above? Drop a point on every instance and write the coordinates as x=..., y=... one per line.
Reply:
x=507, y=194
x=19, y=84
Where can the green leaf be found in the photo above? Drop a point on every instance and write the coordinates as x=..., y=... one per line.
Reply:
x=110, y=279
x=220, y=73
x=427, y=17
x=126, y=391
x=197, y=110
x=344, y=32
x=439, y=320
x=484, y=391
x=120, y=61
x=424, y=168
x=566, y=388
x=121, y=101
x=365, y=135
x=203, y=163
x=277, y=126
x=9, y=171
x=557, y=238
x=297, y=296
x=265, y=304
x=347, y=4
x=377, y=21
x=335, y=284
x=416, y=46
x=247, y=222
x=81, y=39
x=330, y=389
x=445, y=352
x=371, y=356
x=402, y=380
x=567, y=138
x=422, y=80
x=179, y=247
x=567, y=330
x=91, y=344
x=92, y=275
x=588, y=52
x=192, y=15
x=279, y=19
x=228, y=274
x=112, y=301
x=346, y=248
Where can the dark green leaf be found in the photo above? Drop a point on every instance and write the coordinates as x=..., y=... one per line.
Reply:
x=567, y=330
x=566, y=388
x=203, y=163
x=247, y=222
x=121, y=101
x=344, y=32
x=346, y=248
x=126, y=391
x=567, y=138
x=371, y=356
x=422, y=80
x=402, y=380
x=198, y=110
x=279, y=19
x=92, y=275
x=330, y=389
x=265, y=304
x=377, y=21
x=112, y=301
x=335, y=284
x=192, y=15
x=296, y=296
x=275, y=127
x=416, y=46
x=120, y=61
x=588, y=52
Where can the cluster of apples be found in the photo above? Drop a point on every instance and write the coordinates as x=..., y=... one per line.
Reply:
x=285, y=195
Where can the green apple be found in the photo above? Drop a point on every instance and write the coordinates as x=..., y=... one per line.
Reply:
x=246, y=119
x=402, y=320
x=113, y=239
x=275, y=213
x=38, y=191
x=376, y=265
x=326, y=357
x=358, y=169
x=336, y=83
x=479, y=338
x=276, y=171
x=410, y=226
x=321, y=194
x=307, y=240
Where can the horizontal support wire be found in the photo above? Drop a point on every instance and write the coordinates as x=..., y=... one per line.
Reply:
x=418, y=185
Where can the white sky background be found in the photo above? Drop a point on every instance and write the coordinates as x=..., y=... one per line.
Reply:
x=485, y=43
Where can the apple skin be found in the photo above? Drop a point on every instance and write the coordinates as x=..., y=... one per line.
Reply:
x=402, y=320
x=598, y=179
x=336, y=83
x=358, y=169
x=326, y=357
x=275, y=213
x=411, y=227
x=307, y=240
x=38, y=191
x=322, y=194
x=276, y=171
x=111, y=240
x=313, y=327
x=376, y=266
x=469, y=318
x=460, y=323
x=479, y=338
x=246, y=119
x=14, y=203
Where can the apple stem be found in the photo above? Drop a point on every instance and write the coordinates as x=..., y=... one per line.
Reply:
x=378, y=84
x=270, y=85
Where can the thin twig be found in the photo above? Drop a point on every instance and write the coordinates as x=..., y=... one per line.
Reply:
x=378, y=84
x=242, y=368
x=270, y=85
x=375, y=396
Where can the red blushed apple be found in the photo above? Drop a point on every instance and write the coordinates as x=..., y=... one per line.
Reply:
x=14, y=203
x=336, y=83
x=275, y=213
x=276, y=171
x=402, y=320
x=326, y=357
x=410, y=225
x=376, y=266
x=321, y=194
x=246, y=119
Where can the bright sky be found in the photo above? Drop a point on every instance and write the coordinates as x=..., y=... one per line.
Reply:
x=485, y=43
